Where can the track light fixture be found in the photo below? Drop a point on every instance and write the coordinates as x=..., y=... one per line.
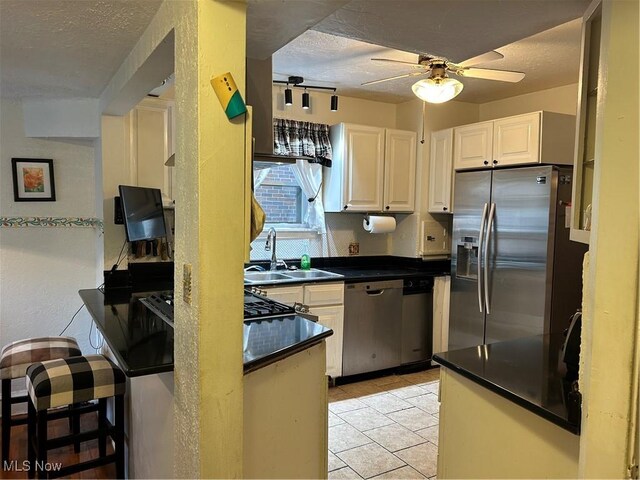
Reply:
x=296, y=82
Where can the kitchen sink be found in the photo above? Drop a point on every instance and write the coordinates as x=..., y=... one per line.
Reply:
x=315, y=274
x=265, y=276
x=288, y=276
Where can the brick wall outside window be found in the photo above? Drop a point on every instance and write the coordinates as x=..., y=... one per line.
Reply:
x=280, y=196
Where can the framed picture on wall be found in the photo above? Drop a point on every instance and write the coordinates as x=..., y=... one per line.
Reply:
x=33, y=180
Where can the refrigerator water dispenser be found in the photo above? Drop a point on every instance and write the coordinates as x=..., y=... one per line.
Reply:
x=467, y=251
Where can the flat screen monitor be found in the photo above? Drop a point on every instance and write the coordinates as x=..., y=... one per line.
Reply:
x=142, y=212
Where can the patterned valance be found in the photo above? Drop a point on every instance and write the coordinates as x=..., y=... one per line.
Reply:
x=306, y=139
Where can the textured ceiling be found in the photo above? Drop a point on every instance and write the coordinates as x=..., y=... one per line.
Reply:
x=549, y=59
x=453, y=28
x=72, y=48
x=67, y=48
x=271, y=24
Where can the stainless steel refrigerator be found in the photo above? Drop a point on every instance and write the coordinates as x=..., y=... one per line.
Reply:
x=514, y=271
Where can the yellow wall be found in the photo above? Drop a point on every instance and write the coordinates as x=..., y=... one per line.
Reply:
x=483, y=435
x=208, y=39
x=559, y=99
x=611, y=294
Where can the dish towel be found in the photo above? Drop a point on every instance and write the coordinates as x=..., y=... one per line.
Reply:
x=257, y=219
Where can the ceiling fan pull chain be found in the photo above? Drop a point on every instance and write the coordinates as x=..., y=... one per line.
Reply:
x=424, y=105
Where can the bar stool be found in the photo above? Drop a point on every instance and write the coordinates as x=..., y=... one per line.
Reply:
x=14, y=361
x=74, y=381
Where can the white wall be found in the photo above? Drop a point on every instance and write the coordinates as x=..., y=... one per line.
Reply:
x=116, y=171
x=42, y=268
x=560, y=100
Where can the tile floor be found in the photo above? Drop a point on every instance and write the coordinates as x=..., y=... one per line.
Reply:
x=385, y=427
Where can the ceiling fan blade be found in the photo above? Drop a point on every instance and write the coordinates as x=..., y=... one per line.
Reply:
x=488, y=74
x=413, y=64
x=484, y=58
x=412, y=74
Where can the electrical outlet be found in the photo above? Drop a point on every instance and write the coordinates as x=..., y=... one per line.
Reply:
x=186, y=283
x=354, y=248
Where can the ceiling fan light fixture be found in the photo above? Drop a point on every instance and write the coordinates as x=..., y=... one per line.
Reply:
x=437, y=90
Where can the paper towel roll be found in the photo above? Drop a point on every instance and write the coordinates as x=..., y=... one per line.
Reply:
x=379, y=224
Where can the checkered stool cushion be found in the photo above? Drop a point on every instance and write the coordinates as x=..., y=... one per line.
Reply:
x=17, y=356
x=73, y=380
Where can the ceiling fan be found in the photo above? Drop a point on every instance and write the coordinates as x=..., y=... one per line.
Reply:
x=439, y=87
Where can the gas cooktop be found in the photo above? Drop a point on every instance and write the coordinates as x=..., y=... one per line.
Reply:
x=257, y=306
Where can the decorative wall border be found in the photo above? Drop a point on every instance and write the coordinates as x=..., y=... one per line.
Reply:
x=51, y=222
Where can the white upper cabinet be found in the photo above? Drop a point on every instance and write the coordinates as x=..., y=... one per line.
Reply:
x=539, y=137
x=152, y=139
x=473, y=146
x=354, y=181
x=440, y=174
x=516, y=140
x=372, y=169
x=399, y=171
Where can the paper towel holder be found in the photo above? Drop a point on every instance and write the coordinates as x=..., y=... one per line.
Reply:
x=366, y=217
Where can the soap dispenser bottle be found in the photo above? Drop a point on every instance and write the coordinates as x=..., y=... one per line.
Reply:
x=305, y=262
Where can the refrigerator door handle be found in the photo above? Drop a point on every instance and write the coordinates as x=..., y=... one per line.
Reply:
x=482, y=222
x=486, y=258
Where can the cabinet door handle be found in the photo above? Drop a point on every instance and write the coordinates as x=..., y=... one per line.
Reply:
x=346, y=206
x=486, y=162
x=387, y=207
x=444, y=208
x=495, y=162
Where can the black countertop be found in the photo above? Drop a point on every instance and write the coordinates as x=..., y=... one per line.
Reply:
x=269, y=340
x=140, y=340
x=371, y=268
x=526, y=371
x=143, y=343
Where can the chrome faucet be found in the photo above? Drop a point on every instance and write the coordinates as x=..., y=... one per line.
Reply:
x=271, y=244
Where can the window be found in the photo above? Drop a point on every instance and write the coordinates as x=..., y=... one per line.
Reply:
x=281, y=197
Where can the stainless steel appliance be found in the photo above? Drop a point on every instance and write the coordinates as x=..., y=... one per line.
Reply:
x=514, y=271
x=372, y=326
x=417, y=320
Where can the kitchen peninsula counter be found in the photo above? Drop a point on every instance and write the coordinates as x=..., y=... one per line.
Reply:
x=281, y=355
x=506, y=411
x=526, y=371
x=142, y=342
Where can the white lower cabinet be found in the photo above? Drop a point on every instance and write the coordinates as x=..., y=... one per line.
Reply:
x=333, y=318
x=286, y=295
x=326, y=301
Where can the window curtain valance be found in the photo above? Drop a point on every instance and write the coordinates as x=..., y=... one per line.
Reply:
x=307, y=139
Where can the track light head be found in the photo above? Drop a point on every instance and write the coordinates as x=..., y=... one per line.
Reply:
x=288, y=96
x=305, y=100
x=334, y=102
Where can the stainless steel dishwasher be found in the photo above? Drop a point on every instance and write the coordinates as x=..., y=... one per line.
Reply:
x=372, y=326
